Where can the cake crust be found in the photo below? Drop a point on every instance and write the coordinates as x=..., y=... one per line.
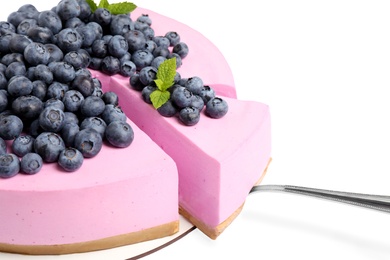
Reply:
x=100, y=244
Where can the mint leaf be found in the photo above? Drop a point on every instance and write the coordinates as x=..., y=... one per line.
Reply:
x=116, y=8
x=92, y=5
x=159, y=97
x=166, y=74
x=103, y=4
x=121, y=8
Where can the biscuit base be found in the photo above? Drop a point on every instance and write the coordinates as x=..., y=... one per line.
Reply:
x=100, y=244
x=214, y=232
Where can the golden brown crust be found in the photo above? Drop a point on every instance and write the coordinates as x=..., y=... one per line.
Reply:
x=214, y=232
x=105, y=243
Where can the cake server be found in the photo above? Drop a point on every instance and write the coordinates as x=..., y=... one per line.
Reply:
x=370, y=201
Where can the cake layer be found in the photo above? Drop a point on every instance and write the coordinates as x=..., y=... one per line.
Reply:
x=219, y=160
x=205, y=60
x=120, y=191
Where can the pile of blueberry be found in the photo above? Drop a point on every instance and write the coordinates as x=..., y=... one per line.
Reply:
x=51, y=107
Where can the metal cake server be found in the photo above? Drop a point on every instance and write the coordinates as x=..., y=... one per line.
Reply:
x=371, y=201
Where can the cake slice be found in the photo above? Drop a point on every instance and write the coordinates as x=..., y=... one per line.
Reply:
x=218, y=160
x=120, y=197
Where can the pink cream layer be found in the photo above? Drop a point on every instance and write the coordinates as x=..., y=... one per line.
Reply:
x=121, y=190
x=204, y=60
x=219, y=160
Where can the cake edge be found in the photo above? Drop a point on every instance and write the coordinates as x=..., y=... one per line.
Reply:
x=214, y=232
x=152, y=233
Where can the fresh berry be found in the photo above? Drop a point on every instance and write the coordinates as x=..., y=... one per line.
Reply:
x=31, y=163
x=70, y=159
x=9, y=165
x=216, y=108
x=11, y=127
x=88, y=142
x=22, y=145
x=49, y=145
x=189, y=116
x=119, y=134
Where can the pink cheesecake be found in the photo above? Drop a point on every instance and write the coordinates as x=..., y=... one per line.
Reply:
x=119, y=197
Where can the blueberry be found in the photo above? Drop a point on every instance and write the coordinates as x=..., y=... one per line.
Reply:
x=179, y=60
x=74, y=22
x=35, y=128
x=52, y=119
x=102, y=16
x=88, y=142
x=70, y=159
x=68, y=133
x=161, y=51
x=181, y=48
x=197, y=102
x=144, y=18
x=67, y=9
x=56, y=54
x=22, y=145
x=110, y=65
x=194, y=84
x=51, y=20
x=40, y=34
x=69, y=39
x=99, y=48
x=150, y=45
x=142, y=58
x=135, y=82
x=117, y=46
x=161, y=41
x=216, y=107
x=76, y=59
x=207, y=93
x=9, y=165
x=71, y=117
x=90, y=32
x=85, y=10
x=6, y=26
x=36, y=53
x=168, y=109
x=135, y=39
x=3, y=100
x=43, y=72
x=11, y=126
x=189, y=116
x=62, y=71
x=72, y=100
x=8, y=58
x=3, y=146
x=146, y=91
x=18, y=43
x=31, y=163
x=157, y=61
x=121, y=24
x=5, y=39
x=92, y=106
x=3, y=80
x=119, y=134
x=56, y=90
x=16, y=68
x=96, y=123
x=27, y=107
x=128, y=68
x=84, y=84
x=110, y=97
x=25, y=25
x=182, y=97
x=54, y=103
x=113, y=113
x=173, y=37
x=49, y=145
x=147, y=75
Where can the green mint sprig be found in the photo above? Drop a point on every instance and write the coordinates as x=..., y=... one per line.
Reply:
x=164, y=80
x=116, y=8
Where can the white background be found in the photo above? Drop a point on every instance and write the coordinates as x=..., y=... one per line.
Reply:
x=323, y=67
